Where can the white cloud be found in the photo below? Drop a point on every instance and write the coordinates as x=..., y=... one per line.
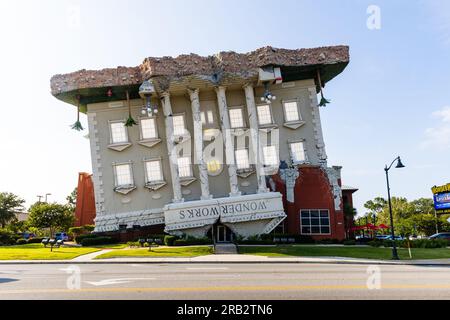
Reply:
x=444, y=113
x=438, y=136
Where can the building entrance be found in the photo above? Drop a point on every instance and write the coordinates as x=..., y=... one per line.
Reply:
x=221, y=233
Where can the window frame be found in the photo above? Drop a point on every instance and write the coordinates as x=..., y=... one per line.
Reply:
x=204, y=115
x=272, y=122
x=249, y=168
x=300, y=118
x=303, y=142
x=320, y=223
x=264, y=156
x=161, y=171
x=141, y=132
x=116, y=184
x=244, y=123
x=111, y=141
x=185, y=133
x=191, y=170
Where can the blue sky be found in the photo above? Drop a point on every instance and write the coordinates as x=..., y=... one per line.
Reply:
x=393, y=98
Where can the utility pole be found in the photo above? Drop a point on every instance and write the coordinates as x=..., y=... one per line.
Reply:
x=436, y=219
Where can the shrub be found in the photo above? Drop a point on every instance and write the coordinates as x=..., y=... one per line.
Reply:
x=375, y=243
x=97, y=241
x=133, y=244
x=21, y=241
x=298, y=238
x=88, y=227
x=349, y=242
x=426, y=243
x=35, y=240
x=8, y=237
x=169, y=240
x=75, y=231
x=192, y=241
x=328, y=241
x=80, y=238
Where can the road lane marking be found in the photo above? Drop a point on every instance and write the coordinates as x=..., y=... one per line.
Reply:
x=108, y=282
x=206, y=268
x=230, y=288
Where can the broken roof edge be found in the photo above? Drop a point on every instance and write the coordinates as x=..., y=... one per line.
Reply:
x=331, y=60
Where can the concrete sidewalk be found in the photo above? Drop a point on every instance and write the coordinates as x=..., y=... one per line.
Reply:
x=230, y=258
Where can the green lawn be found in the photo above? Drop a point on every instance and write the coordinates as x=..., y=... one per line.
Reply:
x=111, y=246
x=36, y=251
x=346, y=251
x=175, y=252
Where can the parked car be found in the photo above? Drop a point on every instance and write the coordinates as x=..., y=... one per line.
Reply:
x=381, y=236
x=441, y=235
x=389, y=237
x=61, y=236
x=27, y=235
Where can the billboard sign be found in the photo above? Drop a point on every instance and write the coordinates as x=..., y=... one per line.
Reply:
x=442, y=198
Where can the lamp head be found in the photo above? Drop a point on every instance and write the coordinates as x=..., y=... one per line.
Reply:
x=399, y=164
x=146, y=89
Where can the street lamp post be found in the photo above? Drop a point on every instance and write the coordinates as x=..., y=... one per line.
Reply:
x=386, y=169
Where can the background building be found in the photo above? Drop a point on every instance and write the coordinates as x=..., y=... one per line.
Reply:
x=148, y=126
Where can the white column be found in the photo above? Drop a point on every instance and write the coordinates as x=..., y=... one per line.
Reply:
x=254, y=135
x=198, y=143
x=228, y=140
x=171, y=148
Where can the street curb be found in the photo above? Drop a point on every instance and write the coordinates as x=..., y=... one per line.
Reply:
x=70, y=262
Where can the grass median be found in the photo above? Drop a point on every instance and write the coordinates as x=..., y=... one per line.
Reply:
x=174, y=252
x=37, y=251
x=344, y=251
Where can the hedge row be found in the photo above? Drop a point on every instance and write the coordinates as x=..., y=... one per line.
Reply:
x=95, y=241
x=81, y=237
x=192, y=242
x=27, y=241
x=419, y=243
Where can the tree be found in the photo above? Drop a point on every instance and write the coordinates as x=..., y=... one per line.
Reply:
x=9, y=205
x=52, y=216
x=376, y=205
x=410, y=217
x=72, y=199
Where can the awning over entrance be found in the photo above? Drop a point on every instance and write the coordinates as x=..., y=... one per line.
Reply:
x=259, y=213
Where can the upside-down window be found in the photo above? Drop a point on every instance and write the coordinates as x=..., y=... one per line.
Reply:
x=207, y=118
x=123, y=177
x=242, y=160
x=264, y=114
x=179, y=126
x=236, y=118
x=184, y=167
x=298, y=154
x=153, y=170
x=148, y=128
x=270, y=154
x=315, y=222
x=291, y=113
x=118, y=131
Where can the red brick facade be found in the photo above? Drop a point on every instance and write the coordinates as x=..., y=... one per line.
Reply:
x=312, y=191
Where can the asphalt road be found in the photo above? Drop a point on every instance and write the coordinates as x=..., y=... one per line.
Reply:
x=223, y=281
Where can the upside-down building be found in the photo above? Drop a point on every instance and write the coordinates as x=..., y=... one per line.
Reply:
x=225, y=145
